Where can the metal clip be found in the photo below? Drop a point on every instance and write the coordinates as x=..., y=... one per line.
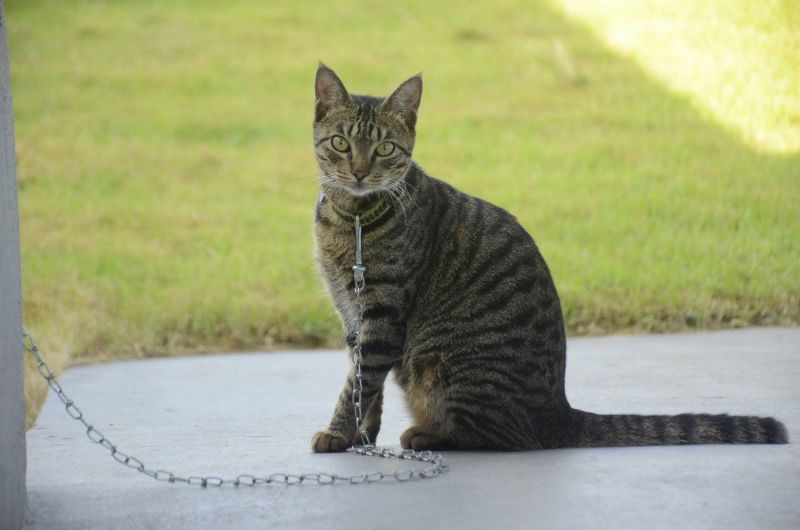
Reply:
x=358, y=274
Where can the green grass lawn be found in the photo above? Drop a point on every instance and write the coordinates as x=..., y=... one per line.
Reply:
x=167, y=179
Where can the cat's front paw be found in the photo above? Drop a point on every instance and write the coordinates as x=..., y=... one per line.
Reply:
x=329, y=442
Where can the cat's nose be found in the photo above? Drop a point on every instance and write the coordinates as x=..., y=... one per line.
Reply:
x=360, y=174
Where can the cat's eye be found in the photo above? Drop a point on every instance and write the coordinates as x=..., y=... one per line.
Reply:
x=340, y=144
x=385, y=149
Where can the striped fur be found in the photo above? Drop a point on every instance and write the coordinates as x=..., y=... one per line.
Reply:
x=460, y=304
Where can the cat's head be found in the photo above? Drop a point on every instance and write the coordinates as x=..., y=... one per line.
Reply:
x=363, y=143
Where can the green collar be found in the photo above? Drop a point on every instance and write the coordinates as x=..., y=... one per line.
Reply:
x=368, y=217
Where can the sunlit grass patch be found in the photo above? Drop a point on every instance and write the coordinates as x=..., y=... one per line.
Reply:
x=736, y=60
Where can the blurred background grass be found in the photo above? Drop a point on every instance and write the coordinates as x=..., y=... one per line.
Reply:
x=167, y=179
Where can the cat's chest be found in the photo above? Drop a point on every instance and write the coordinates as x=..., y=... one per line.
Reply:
x=336, y=253
x=336, y=256
x=383, y=256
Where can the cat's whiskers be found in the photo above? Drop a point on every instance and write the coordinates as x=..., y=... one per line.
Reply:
x=392, y=197
x=403, y=197
x=395, y=192
x=331, y=183
x=400, y=188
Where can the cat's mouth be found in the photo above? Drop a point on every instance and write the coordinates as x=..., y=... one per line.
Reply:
x=359, y=189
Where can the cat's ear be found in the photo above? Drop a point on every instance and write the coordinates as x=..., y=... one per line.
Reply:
x=404, y=101
x=329, y=91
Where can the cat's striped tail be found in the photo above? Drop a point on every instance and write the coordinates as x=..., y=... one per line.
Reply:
x=608, y=430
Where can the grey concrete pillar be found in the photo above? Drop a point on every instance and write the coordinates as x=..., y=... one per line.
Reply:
x=12, y=403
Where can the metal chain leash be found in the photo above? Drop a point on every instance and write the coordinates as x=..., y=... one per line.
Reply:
x=358, y=287
x=436, y=465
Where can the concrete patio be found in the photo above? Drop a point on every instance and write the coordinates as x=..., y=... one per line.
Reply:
x=255, y=413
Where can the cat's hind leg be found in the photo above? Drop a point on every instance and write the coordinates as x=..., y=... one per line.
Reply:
x=468, y=424
x=420, y=438
x=447, y=423
x=423, y=438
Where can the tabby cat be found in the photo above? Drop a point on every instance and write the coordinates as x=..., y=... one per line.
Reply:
x=459, y=303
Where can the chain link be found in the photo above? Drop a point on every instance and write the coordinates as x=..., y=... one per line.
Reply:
x=436, y=464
